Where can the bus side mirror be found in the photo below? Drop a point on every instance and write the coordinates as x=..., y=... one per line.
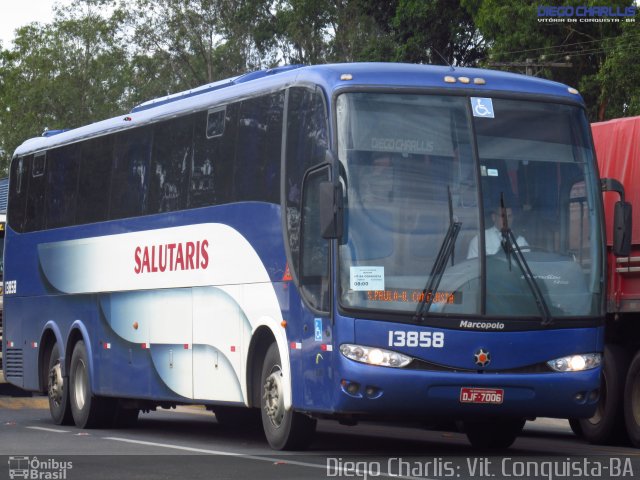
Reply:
x=331, y=210
x=622, y=229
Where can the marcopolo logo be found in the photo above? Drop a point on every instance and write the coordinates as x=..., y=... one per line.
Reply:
x=482, y=325
x=585, y=13
x=37, y=469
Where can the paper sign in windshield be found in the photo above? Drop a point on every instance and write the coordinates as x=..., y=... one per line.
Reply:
x=367, y=278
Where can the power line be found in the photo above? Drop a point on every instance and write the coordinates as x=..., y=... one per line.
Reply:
x=582, y=53
x=530, y=63
x=618, y=37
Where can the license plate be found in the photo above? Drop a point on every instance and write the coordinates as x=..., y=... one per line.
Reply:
x=493, y=396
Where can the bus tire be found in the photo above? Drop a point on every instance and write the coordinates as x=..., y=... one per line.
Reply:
x=576, y=426
x=284, y=429
x=493, y=435
x=124, y=417
x=632, y=402
x=57, y=390
x=607, y=425
x=88, y=410
x=238, y=417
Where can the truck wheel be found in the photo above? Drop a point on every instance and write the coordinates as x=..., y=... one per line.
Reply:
x=632, y=402
x=494, y=435
x=607, y=425
x=57, y=390
x=88, y=410
x=284, y=429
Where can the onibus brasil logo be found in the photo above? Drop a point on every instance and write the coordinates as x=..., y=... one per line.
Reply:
x=36, y=469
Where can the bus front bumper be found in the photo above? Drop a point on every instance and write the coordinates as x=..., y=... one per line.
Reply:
x=369, y=390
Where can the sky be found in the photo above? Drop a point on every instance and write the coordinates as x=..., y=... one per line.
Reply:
x=16, y=14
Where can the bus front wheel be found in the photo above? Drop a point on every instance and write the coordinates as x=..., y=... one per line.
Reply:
x=88, y=410
x=284, y=429
x=57, y=390
x=494, y=435
x=632, y=402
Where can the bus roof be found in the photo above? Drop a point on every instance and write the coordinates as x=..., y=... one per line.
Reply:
x=331, y=77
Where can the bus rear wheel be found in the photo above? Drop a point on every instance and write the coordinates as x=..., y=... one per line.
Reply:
x=121, y=417
x=632, y=402
x=57, y=390
x=493, y=435
x=284, y=429
x=88, y=411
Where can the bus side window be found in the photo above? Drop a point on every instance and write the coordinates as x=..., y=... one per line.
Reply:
x=19, y=181
x=257, y=166
x=95, y=178
x=214, y=139
x=171, y=165
x=34, y=217
x=130, y=182
x=314, y=250
x=62, y=182
x=306, y=143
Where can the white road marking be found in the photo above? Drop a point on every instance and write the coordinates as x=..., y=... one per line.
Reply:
x=240, y=455
x=214, y=452
x=48, y=429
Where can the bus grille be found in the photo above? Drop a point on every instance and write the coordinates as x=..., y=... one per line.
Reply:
x=13, y=363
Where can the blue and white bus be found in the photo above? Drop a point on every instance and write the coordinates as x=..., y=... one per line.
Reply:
x=351, y=241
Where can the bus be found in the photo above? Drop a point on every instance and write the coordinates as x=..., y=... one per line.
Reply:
x=4, y=193
x=312, y=242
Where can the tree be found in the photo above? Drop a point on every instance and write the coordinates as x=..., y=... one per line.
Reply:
x=62, y=75
x=186, y=43
x=436, y=32
x=619, y=77
x=515, y=34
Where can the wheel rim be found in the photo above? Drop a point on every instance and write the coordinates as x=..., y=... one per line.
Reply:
x=273, y=397
x=79, y=384
x=55, y=385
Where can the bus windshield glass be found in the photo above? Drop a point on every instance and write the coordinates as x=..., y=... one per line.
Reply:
x=468, y=206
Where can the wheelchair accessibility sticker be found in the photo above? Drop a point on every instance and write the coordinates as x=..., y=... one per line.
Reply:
x=482, y=107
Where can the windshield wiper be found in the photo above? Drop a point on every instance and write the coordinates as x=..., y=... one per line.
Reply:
x=511, y=248
x=447, y=248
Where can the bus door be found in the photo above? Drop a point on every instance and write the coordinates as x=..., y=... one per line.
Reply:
x=314, y=277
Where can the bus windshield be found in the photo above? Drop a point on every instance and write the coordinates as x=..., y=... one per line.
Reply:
x=442, y=192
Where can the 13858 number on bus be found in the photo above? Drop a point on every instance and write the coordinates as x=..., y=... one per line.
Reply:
x=412, y=338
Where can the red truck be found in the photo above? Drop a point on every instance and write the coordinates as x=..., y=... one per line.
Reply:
x=617, y=144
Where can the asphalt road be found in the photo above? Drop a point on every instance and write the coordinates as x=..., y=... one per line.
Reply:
x=187, y=443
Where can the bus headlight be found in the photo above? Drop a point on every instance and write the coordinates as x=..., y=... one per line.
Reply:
x=576, y=363
x=374, y=356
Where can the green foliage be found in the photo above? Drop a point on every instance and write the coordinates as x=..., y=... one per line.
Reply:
x=619, y=77
x=62, y=75
x=515, y=35
x=436, y=31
